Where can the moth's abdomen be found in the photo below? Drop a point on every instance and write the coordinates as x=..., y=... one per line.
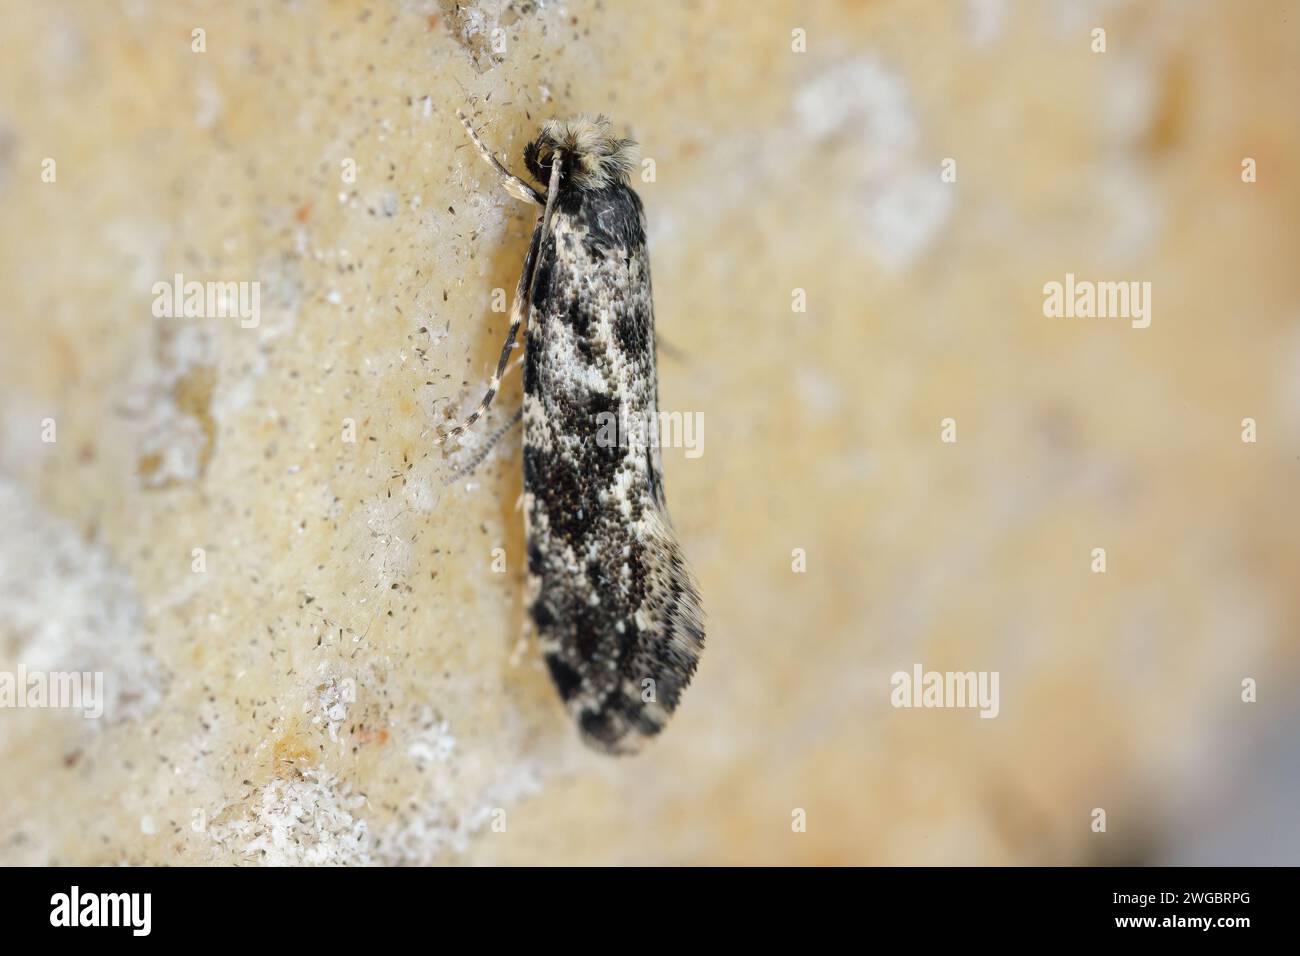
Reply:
x=616, y=609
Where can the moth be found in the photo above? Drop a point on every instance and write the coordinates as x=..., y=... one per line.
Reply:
x=615, y=606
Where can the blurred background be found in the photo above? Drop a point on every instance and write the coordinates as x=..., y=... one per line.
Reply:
x=313, y=640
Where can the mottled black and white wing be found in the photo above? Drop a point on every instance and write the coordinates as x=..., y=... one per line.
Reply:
x=616, y=609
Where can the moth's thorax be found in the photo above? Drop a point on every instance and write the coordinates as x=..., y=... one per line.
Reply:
x=610, y=217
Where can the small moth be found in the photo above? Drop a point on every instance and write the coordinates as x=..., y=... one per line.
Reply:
x=615, y=606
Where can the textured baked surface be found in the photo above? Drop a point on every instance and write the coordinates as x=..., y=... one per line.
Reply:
x=348, y=680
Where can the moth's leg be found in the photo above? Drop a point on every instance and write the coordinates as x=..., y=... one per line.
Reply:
x=523, y=299
x=516, y=320
x=512, y=183
x=467, y=470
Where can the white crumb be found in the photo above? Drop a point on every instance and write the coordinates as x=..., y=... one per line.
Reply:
x=68, y=606
x=310, y=819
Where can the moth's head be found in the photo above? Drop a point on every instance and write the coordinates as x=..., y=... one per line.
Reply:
x=591, y=156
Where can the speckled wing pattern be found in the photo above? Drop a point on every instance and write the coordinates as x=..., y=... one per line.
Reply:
x=616, y=609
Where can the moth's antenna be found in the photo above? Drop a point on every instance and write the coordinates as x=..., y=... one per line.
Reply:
x=488, y=445
x=551, y=193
